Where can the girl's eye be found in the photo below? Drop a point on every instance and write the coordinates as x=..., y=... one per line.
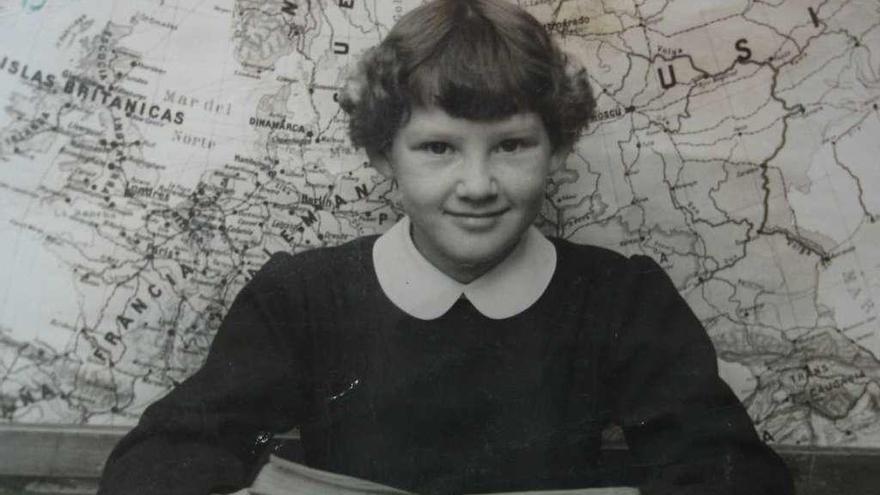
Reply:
x=511, y=145
x=436, y=147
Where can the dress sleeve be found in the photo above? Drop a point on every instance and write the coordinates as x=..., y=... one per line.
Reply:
x=681, y=421
x=204, y=436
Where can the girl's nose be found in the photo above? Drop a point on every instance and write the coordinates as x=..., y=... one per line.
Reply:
x=476, y=181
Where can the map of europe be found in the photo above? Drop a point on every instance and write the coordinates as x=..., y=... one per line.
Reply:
x=154, y=153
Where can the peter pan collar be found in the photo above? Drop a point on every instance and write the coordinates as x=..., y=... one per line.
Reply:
x=420, y=289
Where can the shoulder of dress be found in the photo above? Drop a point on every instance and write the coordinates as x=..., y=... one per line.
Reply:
x=320, y=262
x=351, y=250
x=588, y=259
x=597, y=253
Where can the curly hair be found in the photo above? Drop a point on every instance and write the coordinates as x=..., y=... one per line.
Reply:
x=475, y=59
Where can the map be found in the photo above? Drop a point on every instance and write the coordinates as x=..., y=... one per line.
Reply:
x=154, y=153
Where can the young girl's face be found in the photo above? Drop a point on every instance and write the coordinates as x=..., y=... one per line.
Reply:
x=470, y=188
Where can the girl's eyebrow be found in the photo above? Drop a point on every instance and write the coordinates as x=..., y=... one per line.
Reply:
x=433, y=134
x=452, y=129
x=519, y=132
x=517, y=126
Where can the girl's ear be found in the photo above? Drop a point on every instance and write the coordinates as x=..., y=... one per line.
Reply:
x=379, y=160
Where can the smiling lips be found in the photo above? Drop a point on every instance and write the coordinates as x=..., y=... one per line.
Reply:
x=477, y=221
x=469, y=214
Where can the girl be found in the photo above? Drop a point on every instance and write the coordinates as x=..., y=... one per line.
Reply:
x=461, y=351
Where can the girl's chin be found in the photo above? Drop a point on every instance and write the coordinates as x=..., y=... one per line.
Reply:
x=463, y=253
x=472, y=264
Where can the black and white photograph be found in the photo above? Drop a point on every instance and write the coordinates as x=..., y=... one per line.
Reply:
x=439, y=247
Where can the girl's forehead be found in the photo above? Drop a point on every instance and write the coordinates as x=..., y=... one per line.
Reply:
x=435, y=119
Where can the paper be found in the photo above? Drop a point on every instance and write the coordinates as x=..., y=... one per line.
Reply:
x=282, y=477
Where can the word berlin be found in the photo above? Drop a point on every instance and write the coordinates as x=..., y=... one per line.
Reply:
x=88, y=90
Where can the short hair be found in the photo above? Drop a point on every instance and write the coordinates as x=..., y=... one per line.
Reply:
x=475, y=59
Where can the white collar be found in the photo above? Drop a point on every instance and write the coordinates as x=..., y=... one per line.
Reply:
x=420, y=289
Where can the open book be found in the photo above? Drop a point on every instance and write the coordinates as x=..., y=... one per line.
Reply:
x=282, y=477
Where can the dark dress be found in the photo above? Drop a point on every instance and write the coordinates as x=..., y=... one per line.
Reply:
x=458, y=404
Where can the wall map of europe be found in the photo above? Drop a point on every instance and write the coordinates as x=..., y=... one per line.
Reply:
x=153, y=153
